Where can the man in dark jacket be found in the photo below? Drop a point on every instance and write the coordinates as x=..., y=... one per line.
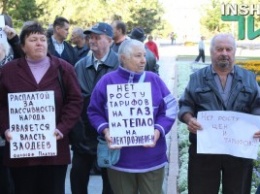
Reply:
x=151, y=65
x=119, y=29
x=56, y=43
x=221, y=86
x=89, y=71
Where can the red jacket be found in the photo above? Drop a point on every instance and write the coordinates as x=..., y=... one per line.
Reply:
x=153, y=47
x=15, y=77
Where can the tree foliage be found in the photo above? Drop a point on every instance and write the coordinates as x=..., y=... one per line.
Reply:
x=148, y=17
x=86, y=13
x=21, y=10
x=212, y=17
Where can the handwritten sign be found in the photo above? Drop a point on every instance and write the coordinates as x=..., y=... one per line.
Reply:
x=130, y=111
x=3, y=37
x=227, y=132
x=32, y=124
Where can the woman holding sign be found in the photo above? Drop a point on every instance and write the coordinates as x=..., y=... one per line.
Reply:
x=134, y=110
x=34, y=118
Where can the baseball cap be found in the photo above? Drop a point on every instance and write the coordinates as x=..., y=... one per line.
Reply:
x=138, y=34
x=101, y=28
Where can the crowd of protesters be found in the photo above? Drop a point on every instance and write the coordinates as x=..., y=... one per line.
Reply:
x=78, y=73
x=34, y=58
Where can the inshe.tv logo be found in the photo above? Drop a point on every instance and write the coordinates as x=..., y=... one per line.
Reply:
x=242, y=14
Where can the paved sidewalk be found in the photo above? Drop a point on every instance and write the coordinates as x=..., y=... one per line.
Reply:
x=168, y=74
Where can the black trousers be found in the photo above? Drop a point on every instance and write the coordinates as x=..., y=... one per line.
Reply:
x=39, y=179
x=80, y=172
x=6, y=181
x=201, y=55
x=205, y=172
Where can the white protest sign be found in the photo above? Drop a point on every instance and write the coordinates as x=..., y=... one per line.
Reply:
x=32, y=124
x=228, y=132
x=130, y=112
x=3, y=37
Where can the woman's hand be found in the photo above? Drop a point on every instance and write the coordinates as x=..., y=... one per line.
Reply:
x=10, y=32
x=156, y=137
x=58, y=134
x=109, y=139
x=8, y=136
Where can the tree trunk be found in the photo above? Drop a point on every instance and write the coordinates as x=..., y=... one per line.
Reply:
x=4, y=6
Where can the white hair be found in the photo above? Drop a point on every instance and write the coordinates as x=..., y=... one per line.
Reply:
x=220, y=36
x=6, y=47
x=79, y=31
x=127, y=47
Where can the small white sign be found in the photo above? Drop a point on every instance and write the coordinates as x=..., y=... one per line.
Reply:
x=32, y=124
x=228, y=132
x=130, y=111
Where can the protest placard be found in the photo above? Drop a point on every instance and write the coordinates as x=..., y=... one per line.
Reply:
x=228, y=132
x=130, y=113
x=32, y=124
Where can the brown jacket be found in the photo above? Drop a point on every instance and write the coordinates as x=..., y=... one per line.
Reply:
x=15, y=77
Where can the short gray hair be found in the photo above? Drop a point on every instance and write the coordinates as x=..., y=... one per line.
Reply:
x=222, y=35
x=127, y=47
x=79, y=31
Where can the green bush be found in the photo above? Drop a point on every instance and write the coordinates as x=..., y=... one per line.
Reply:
x=189, y=43
x=252, y=65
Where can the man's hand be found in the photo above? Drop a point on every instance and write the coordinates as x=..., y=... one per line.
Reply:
x=257, y=135
x=193, y=125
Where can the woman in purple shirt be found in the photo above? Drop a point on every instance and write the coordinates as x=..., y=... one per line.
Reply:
x=140, y=168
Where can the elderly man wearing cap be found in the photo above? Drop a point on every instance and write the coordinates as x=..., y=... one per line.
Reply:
x=151, y=65
x=89, y=70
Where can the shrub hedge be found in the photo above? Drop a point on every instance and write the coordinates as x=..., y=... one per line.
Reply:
x=252, y=65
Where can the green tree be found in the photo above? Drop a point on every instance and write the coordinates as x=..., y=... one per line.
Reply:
x=21, y=10
x=148, y=17
x=211, y=18
x=3, y=5
x=86, y=13
x=78, y=12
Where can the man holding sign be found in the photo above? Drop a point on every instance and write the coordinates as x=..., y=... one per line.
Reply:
x=134, y=110
x=222, y=86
